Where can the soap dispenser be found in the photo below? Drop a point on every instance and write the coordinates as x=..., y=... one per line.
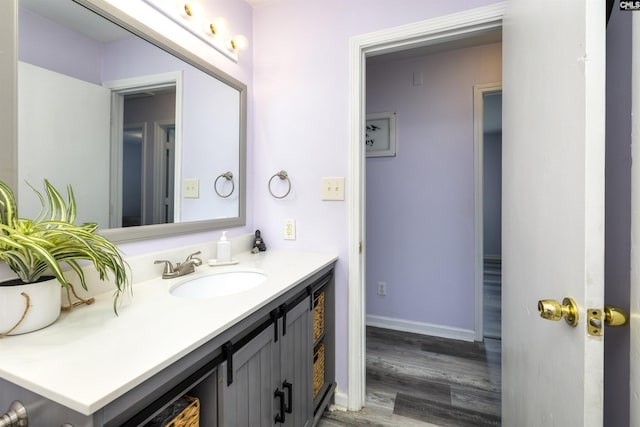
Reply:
x=224, y=248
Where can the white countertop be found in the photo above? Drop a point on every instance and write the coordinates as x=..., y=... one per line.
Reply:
x=89, y=357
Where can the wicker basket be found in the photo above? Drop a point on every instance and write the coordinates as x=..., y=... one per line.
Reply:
x=189, y=415
x=318, y=369
x=318, y=315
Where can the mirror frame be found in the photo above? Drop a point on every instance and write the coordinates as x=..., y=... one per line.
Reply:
x=9, y=115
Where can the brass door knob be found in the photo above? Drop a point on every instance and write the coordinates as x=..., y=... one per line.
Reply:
x=552, y=310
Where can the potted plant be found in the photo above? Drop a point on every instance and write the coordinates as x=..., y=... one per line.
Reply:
x=34, y=248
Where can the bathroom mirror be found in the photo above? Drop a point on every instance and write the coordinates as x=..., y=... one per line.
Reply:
x=146, y=151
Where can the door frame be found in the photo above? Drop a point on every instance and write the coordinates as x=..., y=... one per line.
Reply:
x=478, y=164
x=163, y=192
x=120, y=88
x=437, y=30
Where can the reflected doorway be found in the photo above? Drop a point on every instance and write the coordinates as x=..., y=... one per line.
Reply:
x=148, y=157
x=145, y=137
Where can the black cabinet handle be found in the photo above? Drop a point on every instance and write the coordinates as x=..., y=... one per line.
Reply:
x=288, y=386
x=283, y=313
x=280, y=395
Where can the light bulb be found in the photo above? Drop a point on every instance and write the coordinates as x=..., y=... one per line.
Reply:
x=218, y=27
x=239, y=42
x=192, y=9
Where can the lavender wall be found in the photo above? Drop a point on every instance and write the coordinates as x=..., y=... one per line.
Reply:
x=420, y=204
x=51, y=46
x=301, y=76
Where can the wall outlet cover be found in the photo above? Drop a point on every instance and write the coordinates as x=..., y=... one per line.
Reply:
x=290, y=229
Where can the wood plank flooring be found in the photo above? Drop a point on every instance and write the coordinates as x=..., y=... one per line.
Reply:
x=417, y=380
x=492, y=297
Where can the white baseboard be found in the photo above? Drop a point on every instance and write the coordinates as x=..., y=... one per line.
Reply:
x=341, y=401
x=421, y=328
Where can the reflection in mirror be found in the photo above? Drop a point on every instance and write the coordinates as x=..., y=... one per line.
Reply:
x=127, y=124
x=147, y=158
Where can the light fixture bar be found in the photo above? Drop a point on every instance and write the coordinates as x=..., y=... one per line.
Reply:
x=194, y=24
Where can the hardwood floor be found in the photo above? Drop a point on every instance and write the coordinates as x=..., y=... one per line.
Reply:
x=492, y=297
x=417, y=380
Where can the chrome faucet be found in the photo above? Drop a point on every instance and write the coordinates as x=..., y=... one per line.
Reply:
x=181, y=269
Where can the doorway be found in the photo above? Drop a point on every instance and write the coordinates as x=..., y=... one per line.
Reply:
x=487, y=123
x=145, y=110
x=458, y=26
x=420, y=222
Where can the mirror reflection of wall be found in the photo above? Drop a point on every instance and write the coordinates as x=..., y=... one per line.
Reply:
x=204, y=141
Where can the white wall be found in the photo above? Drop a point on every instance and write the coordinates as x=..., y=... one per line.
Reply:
x=420, y=204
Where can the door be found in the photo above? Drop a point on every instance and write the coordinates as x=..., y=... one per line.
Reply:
x=553, y=209
x=248, y=399
x=295, y=364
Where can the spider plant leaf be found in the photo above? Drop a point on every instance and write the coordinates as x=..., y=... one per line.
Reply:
x=8, y=208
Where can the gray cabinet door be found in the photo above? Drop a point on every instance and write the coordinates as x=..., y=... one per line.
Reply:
x=249, y=400
x=296, y=365
x=271, y=379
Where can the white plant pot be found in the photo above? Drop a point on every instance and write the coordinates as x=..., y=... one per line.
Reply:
x=44, y=306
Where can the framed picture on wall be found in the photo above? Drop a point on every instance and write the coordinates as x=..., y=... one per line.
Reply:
x=380, y=135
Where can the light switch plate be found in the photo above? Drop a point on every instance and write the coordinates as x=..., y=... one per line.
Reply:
x=290, y=229
x=191, y=189
x=333, y=188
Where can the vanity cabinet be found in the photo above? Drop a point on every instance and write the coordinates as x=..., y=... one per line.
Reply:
x=260, y=372
x=257, y=372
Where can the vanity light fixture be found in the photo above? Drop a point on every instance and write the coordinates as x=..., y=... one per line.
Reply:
x=190, y=14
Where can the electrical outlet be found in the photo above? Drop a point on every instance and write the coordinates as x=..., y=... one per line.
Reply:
x=191, y=188
x=382, y=288
x=333, y=188
x=290, y=229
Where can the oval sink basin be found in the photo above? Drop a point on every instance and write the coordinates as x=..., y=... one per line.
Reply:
x=218, y=284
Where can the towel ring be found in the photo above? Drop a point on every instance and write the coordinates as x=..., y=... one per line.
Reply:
x=229, y=177
x=282, y=175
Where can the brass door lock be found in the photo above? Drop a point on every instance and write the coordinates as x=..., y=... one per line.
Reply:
x=613, y=316
x=551, y=309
